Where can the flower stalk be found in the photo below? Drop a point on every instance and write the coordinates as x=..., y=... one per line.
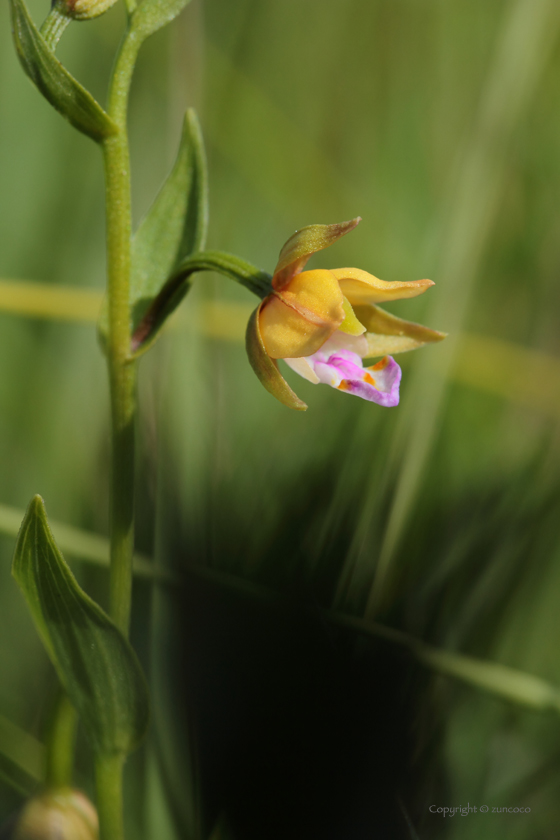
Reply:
x=61, y=743
x=54, y=26
x=122, y=370
x=109, y=800
x=122, y=379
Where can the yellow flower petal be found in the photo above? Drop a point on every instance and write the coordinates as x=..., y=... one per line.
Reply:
x=350, y=325
x=298, y=320
x=360, y=287
x=303, y=244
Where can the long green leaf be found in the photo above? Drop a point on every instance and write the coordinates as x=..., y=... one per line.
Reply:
x=151, y=15
x=94, y=662
x=176, y=224
x=53, y=80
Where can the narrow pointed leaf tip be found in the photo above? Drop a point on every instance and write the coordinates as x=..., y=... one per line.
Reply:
x=303, y=244
x=175, y=225
x=266, y=368
x=95, y=663
x=53, y=80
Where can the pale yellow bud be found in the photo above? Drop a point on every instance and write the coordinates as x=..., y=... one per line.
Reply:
x=62, y=814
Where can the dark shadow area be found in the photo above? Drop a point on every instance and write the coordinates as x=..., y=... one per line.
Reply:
x=302, y=731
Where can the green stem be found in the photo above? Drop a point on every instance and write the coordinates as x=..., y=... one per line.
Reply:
x=109, y=796
x=60, y=744
x=122, y=371
x=123, y=406
x=53, y=27
x=122, y=379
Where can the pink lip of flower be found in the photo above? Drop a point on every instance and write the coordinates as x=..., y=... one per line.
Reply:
x=339, y=364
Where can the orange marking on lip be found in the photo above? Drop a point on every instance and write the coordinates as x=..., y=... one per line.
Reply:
x=380, y=365
x=369, y=379
x=344, y=385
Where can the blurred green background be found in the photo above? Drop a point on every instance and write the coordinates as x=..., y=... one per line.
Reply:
x=434, y=120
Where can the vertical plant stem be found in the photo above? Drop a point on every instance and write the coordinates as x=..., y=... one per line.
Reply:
x=123, y=405
x=109, y=787
x=60, y=744
x=122, y=379
x=122, y=371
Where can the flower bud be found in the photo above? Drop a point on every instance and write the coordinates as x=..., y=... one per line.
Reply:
x=61, y=814
x=83, y=9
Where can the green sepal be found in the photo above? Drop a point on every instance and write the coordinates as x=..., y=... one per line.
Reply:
x=267, y=368
x=303, y=244
x=177, y=286
x=387, y=335
x=95, y=663
x=53, y=80
x=151, y=15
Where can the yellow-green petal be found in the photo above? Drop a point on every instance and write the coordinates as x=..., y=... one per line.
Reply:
x=350, y=325
x=386, y=334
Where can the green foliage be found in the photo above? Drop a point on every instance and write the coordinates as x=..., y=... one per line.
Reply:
x=96, y=665
x=396, y=89
x=176, y=224
x=53, y=80
x=91, y=548
x=174, y=227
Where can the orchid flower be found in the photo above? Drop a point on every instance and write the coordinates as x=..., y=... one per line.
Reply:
x=323, y=323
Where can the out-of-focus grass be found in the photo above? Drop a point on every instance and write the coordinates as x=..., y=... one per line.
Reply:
x=227, y=321
x=315, y=113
